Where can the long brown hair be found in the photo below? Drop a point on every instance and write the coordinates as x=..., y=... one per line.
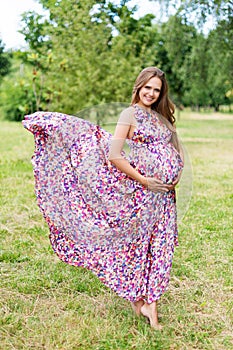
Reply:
x=163, y=106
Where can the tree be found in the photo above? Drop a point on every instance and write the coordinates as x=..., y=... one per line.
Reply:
x=217, y=48
x=178, y=40
x=76, y=42
x=16, y=93
x=4, y=61
x=220, y=64
x=196, y=74
x=86, y=53
x=97, y=48
x=35, y=30
x=133, y=48
x=218, y=9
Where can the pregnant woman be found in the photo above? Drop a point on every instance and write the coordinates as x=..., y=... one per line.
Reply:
x=109, y=212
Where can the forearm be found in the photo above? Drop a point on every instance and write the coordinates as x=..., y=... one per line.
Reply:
x=124, y=166
x=153, y=184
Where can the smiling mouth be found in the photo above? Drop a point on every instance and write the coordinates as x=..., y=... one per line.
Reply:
x=149, y=98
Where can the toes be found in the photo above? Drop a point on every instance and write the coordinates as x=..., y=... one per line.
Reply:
x=151, y=318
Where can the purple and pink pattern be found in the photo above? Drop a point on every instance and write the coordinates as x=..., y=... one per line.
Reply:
x=98, y=217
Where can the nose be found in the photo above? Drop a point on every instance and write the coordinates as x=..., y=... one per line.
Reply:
x=151, y=93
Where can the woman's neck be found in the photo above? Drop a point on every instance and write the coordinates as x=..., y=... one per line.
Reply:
x=145, y=108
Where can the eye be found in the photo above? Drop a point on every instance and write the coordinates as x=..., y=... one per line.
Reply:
x=157, y=90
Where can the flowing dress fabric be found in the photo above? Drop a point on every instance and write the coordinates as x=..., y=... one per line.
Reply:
x=98, y=217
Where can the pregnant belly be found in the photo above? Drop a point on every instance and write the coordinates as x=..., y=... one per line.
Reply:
x=167, y=168
x=163, y=162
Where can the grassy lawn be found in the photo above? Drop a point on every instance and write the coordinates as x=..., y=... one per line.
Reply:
x=46, y=304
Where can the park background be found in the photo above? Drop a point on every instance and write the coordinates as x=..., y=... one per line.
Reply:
x=81, y=55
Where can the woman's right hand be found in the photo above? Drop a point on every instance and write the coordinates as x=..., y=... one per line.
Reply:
x=156, y=185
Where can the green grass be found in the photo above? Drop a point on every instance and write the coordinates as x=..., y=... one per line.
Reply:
x=46, y=304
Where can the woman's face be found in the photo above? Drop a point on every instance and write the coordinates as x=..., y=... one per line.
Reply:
x=150, y=92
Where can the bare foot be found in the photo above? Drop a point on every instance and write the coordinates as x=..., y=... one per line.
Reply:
x=150, y=311
x=136, y=306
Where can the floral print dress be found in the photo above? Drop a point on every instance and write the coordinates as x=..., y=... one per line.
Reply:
x=98, y=217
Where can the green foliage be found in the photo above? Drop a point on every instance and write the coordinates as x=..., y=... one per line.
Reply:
x=179, y=38
x=202, y=66
x=4, y=61
x=219, y=9
x=196, y=65
x=35, y=30
x=92, y=65
x=85, y=53
x=220, y=71
x=16, y=94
